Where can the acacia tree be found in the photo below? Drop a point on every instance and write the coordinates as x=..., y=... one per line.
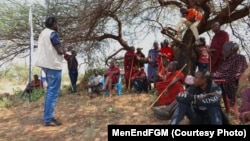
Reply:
x=224, y=12
x=92, y=26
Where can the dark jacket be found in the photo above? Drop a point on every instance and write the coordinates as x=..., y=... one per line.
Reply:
x=72, y=62
x=192, y=92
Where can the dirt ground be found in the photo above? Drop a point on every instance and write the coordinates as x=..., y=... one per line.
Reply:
x=83, y=118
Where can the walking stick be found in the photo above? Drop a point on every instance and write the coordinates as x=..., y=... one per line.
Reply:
x=210, y=67
x=130, y=73
x=165, y=88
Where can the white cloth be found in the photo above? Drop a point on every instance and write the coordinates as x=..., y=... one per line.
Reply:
x=95, y=80
x=47, y=56
x=192, y=26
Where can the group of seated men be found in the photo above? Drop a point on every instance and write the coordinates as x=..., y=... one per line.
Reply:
x=98, y=83
x=200, y=102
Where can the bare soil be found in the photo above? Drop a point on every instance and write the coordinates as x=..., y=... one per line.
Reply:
x=83, y=118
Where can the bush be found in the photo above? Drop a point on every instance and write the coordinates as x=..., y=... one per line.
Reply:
x=33, y=96
x=5, y=102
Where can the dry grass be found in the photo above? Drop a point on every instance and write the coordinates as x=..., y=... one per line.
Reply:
x=83, y=118
x=9, y=87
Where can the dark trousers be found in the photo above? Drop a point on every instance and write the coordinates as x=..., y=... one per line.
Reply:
x=140, y=85
x=212, y=115
x=203, y=66
x=73, y=75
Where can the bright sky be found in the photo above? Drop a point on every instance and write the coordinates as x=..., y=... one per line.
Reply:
x=146, y=44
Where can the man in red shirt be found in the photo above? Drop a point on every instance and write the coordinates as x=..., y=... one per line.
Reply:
x=139, y=81
x=165, y=53
x=192, y=18
x=111, y=76
x=202, y=52
x=129, y=65
x=171, y=86
x=36, y=83
x=215, y=51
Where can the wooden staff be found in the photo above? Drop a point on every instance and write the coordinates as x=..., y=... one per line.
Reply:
x=210, y=67
x=165, y=88
x=130, y=73
x=210, y=59
x=161, y=62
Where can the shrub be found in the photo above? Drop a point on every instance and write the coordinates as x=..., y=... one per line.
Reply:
x=33, y=96
x=5, y=102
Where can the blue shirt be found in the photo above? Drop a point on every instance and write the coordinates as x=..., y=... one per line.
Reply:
x=55, y=39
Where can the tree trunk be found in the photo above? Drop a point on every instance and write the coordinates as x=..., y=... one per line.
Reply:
x=185, y=53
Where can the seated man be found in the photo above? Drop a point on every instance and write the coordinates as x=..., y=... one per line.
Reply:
x=95, y=83
x=111, y=76
x=36, y=83
x=172, y=84
x=200, y=102
x=139, y=81
x=161, y=75
x=168, y=88
x=192, y=18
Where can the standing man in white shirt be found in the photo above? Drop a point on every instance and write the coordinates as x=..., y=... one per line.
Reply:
x=50, y=59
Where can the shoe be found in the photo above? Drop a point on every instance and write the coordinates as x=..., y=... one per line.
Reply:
x=161, y=113
x=53, y=122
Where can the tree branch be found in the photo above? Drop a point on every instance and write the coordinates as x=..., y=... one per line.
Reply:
x=112, y=56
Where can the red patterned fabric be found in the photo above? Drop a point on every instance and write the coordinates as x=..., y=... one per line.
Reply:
x=230, y=70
